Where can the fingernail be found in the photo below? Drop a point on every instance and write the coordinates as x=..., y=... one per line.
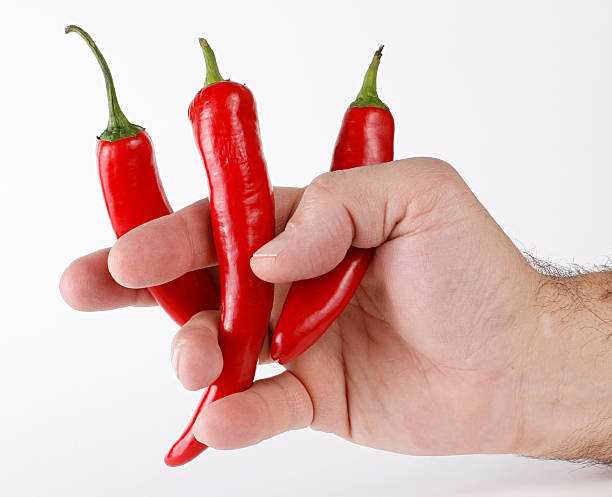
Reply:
x=176, y=350
x=275, y=246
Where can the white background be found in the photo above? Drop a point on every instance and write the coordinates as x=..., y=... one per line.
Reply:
x=516, y=95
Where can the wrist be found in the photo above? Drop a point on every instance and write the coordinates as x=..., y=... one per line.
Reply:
x=566, y=379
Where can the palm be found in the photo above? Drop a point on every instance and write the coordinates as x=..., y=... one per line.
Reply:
x=433, y=321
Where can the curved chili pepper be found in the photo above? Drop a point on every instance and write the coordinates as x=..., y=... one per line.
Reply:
x=225, y=126
x=134, y=195
x=366, y=138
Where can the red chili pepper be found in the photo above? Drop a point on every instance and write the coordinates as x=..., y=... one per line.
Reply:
x=366, y=138
x=225, y=126
x=134, y=195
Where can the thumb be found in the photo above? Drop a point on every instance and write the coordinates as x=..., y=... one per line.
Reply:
x=327, y=221
x=359, y=207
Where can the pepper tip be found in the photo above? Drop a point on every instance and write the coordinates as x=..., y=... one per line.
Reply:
x=276, y=355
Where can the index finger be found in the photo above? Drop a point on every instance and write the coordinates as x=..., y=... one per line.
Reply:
x=168, y=247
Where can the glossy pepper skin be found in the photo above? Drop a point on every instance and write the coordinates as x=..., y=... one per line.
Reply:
x=134, y=195
x=226, y=130
x=311, y=306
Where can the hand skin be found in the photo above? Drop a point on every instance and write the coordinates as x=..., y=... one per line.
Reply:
x=453, y=344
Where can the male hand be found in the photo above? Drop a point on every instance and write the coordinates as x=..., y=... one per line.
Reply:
x=452, y=344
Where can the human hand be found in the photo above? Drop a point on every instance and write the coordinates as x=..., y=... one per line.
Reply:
x=444, y=348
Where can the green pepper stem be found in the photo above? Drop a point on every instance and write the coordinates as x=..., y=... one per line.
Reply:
x=212, y=70
x=367, y=96
x=118, y=125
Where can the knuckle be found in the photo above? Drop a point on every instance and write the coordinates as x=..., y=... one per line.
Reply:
x=296, y=398
x=322, y=199
x=440, y=168
x=323, y=185
x=203, y=320
x=438, y=164
x=437, y=192
x=442, y=175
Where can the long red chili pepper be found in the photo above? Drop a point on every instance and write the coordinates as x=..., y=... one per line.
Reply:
x=225, y=126
x=366, y=138
x=134, y=195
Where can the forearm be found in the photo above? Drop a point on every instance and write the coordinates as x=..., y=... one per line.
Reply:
x=566, y=387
